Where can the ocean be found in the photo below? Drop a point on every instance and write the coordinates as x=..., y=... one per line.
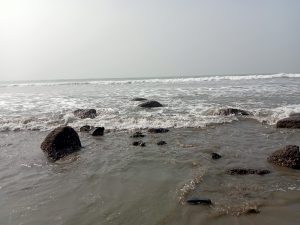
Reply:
x=110, y=181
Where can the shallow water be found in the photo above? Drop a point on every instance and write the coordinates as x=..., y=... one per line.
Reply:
x=112, y=182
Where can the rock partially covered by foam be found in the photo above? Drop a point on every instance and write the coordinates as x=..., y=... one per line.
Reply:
x=293, y=121
x=85, y=113
x=289, y=156
x=150, y=104
x=232, y=111
x=61, y=142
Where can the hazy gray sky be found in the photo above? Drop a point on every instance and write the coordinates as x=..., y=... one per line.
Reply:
x=51, y=39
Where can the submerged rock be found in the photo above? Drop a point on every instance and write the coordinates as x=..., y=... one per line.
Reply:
x=139, y=99
x=289, y=156
x=239, y=171
x=138, y=134
x=161, y=143
x=85, y=128
x=150, y=104
x=61, y=142
x=85, y=113
x=158, y=130
x=199, y=201
x=215, y=156
x=97, y=131
x=139, y=143
x=293, y=121
x=232, y=111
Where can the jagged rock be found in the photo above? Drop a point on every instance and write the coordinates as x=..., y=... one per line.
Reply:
x=239, y=171
x=215, y=155
x=293, y=121
x=85, y=128
x=232, y=111
x=85, y=113
x=138, y=134
x=158, y=130
x=199, y=201
x=161, y=143
x=61, y=142
x=150, y=104
x=97, y=131
x=139, y=99
x=139, y=143
x=289, y=156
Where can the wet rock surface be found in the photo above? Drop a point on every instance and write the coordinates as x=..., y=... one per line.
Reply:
x=293, y=121
x=61, y=142
x=85, y=113
x=158, y=130
x=150, y=104
x=289, y=156
x=242, y=171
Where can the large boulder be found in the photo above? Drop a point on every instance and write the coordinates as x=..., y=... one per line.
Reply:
x=60, y=142
x=85, y=113
x=232, y=111
x=293, y=121
x=289, y=156
x=150, y=104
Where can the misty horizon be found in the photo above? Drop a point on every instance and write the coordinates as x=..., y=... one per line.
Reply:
x=46, y=40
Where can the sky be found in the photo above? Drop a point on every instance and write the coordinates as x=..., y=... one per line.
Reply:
x=71, y=39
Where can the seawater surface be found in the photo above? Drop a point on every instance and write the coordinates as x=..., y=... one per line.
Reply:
x=189, y=102
x=112, y=182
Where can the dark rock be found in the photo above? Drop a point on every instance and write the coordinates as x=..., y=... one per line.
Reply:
x=85, y=113
x=161, y=143
x=97, y=131
x=199, y=201
x=252, y=211
x=289, y=156
x=290, y=122
x=233, y=111
x=158, y=130
x=215, y=155
x=150, y=104
x=239, y=171
x=139, y=143
x=60, y=142
x=139, y=99
x=85, y=128
x=138, y=134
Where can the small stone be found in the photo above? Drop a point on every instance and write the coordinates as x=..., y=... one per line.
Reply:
x=139, y=143
x=215, y=156
x=158, y=130
x=161, y=143
x=137, y=134
x=150, y=104
x=97, y=131
x=85, y=128
x=239, y=171
x=252, y=211
x=199, y=201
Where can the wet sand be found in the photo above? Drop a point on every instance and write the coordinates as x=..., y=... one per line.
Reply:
x=112, y=182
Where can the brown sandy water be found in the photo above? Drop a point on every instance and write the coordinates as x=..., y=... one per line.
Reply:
x=112, y=182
